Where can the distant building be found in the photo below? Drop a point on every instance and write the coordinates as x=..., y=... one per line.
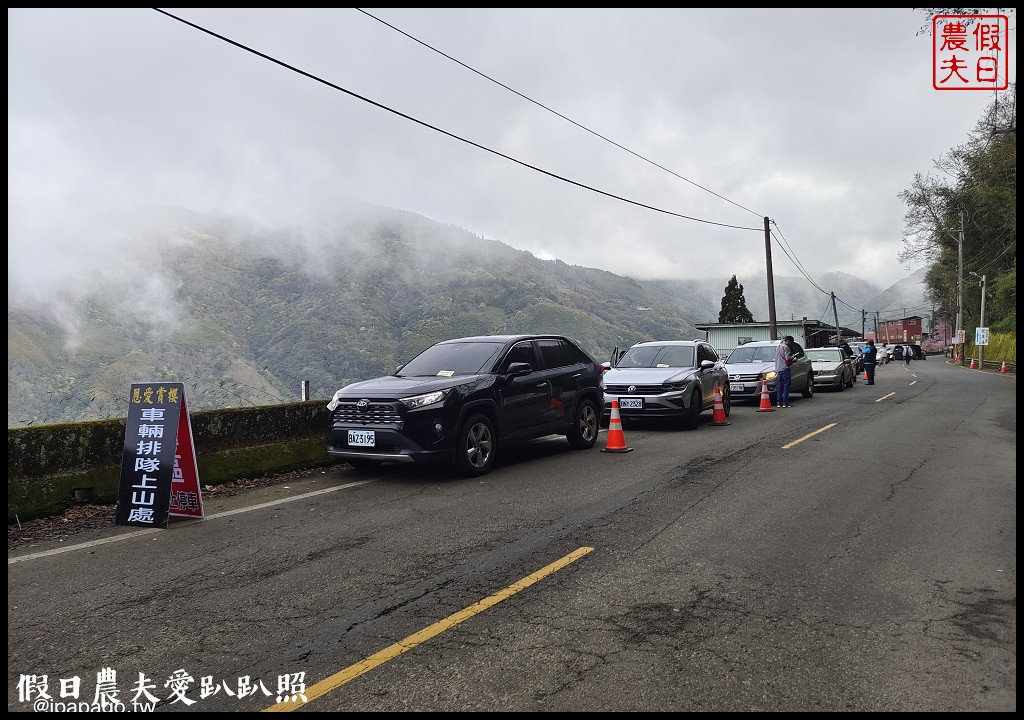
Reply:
x=908, y=329
x=726, y=337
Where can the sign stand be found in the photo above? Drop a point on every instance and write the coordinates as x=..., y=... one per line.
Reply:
x=159, y=473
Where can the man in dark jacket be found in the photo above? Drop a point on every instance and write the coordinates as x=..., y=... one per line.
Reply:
x=852, y=356
x=870, y=353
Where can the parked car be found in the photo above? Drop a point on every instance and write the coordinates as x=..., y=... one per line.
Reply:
x=750, y=364
x=854, y=356
x=917, y=352
x=858, y=350
x=463, y=401
x=896, y=352
x=673, y=379
x=832, y=368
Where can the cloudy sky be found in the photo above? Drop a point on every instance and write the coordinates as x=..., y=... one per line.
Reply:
x=646, y=142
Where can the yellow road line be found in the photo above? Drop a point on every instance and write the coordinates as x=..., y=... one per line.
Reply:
x=391, y=652
x=885, y=397
x=809, y=435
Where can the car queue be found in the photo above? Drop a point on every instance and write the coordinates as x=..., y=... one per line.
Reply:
x=464, y=402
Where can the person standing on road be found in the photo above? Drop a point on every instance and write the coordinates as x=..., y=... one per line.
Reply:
x=783, y=359
x=870, y=354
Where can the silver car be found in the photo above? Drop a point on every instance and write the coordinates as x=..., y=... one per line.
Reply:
x=673, y=379
x=751, y=364
x=832, y=368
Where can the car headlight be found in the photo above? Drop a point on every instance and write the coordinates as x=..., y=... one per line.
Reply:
x=770, y=375
x=418, y=401
x=681, y=385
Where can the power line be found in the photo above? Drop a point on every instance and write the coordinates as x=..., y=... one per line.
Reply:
x=445, y=132
x=791, y=254
x=555, y=112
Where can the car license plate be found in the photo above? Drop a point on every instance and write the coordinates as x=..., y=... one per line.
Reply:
x=361, y=438
x=736, y=387
x=631, y=403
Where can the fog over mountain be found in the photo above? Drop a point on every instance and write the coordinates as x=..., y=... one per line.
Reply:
x=244, y=313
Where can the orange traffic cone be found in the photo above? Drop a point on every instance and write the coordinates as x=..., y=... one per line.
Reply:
x=1003, y=368
x=766, y=399
x=718, y=416
x=972, y=364
x=865, y=373
x=616, y=440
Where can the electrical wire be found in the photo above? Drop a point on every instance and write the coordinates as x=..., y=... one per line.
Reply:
x=555, y=112
x=445, y=132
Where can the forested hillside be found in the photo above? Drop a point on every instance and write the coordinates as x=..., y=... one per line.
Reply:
x=243, y=316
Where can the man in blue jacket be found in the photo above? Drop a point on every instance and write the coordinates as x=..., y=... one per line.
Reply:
x=870, y=354
x=783, y=359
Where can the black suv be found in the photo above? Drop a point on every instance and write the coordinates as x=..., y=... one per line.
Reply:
x=461, y=401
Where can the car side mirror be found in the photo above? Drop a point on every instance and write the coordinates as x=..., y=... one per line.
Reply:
x=518, y=369
x=705, y=364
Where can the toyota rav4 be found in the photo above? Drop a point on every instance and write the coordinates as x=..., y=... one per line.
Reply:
x=463, y=401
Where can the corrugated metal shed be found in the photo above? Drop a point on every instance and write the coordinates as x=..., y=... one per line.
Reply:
x=726, y=337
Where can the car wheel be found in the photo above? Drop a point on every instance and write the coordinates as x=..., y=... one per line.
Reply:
x=583, y=433
x=475, y=447
x=693, y=412
x=363, y=463
x=842, y=384
x=808, y=390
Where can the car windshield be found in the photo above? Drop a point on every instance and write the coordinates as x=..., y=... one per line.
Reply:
x=657, y=356
x=759, y=353
x=453, y=358
x=829, y=354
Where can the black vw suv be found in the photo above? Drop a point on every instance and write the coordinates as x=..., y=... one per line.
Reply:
x=461, y=402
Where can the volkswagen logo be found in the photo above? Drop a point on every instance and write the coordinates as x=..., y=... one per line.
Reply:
x=631, y=389
x=362, y=404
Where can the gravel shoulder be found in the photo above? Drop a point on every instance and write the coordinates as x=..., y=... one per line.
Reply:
x=85, y=517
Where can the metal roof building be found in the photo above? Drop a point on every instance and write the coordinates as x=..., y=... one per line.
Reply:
x=726, y=337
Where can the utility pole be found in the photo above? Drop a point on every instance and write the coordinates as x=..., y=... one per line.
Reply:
x=772, y=325
x=981, y=348
x=835, y=314
x=863, y=322
x=981, y=320
x=960, y=286
x=959, y=237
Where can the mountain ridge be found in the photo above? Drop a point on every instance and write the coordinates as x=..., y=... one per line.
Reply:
x=244, y=314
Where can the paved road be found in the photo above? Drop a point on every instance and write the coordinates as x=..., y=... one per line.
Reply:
x=856, y=552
